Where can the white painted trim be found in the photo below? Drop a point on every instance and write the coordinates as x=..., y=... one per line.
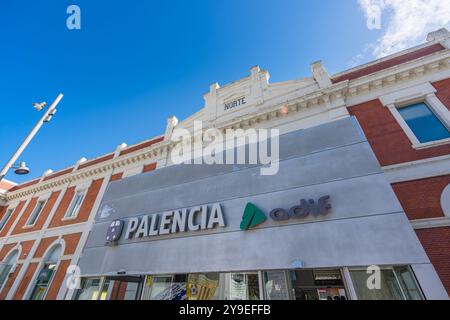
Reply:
x=84, y=186
x=411, y=136
x=430, y=223
x=439, y=109
x=64, y=293
x=431, y=144
x=17, y=247
x=60, y=241
x=445, y=200
x=27, y=225
x=419, y=169
x=67, y=218
x=19, y=215
x=407, y=95
x=5, y=221
x=424, y=92
x=349, y=284
x=383, y=59
x=53, y=232
x=36, y=236
x=133, y=171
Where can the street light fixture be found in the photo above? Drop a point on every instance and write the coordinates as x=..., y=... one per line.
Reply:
x=48, y=115
x=21, y=169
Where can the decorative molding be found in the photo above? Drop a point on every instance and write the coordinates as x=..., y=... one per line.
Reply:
x=430, y=223
x=420, y=169
x=397, y=75
x=333, y=95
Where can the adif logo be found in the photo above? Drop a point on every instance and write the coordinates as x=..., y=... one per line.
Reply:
x=114, y=231
x=252, y=217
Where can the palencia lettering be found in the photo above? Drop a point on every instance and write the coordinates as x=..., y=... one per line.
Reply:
x=183, y=220
x=234, y=103
x=306, y=207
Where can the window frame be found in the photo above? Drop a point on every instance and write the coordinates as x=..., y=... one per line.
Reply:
x=27, y=223
x=14, y=250
x=4, y=220
x=44, y=261
x=72, y=203
x=416, y=144
x=423, y=93
x=392, y=269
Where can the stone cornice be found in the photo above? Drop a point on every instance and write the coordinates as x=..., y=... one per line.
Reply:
x=317, y=98
x=332, y=95
x=401, y=73
x=98, y=170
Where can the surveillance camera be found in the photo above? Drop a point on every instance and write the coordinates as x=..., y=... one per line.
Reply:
x=39, y=106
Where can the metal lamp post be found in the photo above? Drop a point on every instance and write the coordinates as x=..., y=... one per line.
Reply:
x=22, y=169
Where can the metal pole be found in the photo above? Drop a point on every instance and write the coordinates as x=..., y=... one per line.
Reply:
x=30, y=136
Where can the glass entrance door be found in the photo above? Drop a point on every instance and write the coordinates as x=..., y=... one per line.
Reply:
x=121, y=288
x=317, y=285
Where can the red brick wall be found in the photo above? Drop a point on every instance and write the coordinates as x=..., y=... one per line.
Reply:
x=86, y=206
x=443, y=91
x=24, y=185
x=421, y=198
x=12, y=218
x=26, y=247
x=43, y=246
x=388, y=140
x=96, y=161
x=63, y=207
x=9, y=283
x=57, y=281
x=141, y=146
x=389, y=63
x=2, y=211
x=19, y=295
x=71, y=242
x=149, y=167
x=6, y=249
x=436, y=242
x=41, y=218
x=116, y=176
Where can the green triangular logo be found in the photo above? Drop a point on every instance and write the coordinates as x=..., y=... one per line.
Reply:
x=252, y=217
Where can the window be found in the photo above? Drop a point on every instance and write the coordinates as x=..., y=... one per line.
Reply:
x=7, y=265
x=75, y=205
x=46, y=274
x=35, y=214
x=396, y=283
x=90, y=288
x=318, y=285
x=203, y=286
x=112, y=288
x=5, y=218
x=425, y=125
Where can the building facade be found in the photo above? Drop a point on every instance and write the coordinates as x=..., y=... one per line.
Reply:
x=367, y=150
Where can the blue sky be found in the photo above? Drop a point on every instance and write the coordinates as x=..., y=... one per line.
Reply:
x=133, y=63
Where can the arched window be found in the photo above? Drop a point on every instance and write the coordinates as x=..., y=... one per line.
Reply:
x=46, y=274
x=7, y=265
